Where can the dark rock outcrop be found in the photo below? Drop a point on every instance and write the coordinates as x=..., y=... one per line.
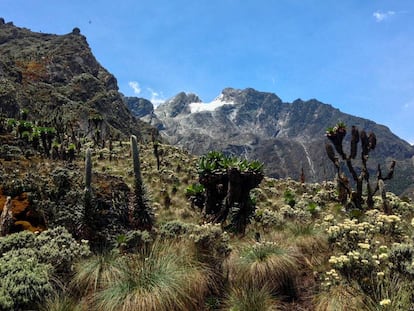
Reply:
x=58, y=77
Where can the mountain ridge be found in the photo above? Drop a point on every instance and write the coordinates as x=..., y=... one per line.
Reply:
x=285, y=136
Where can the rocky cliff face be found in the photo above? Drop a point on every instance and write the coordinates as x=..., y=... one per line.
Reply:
x=56, y=77
x=286, y=136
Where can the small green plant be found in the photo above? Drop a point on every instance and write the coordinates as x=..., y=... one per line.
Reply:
x=289, y=198
x=195, y=193
x=313, y=208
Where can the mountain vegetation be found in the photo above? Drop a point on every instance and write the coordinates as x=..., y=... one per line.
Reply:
x=287, y=137
x=98, y=214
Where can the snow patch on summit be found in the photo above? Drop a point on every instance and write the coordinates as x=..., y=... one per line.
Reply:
x=211, y=106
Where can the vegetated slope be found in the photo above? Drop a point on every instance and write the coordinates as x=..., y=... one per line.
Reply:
x=285, y=136
x=57, y=79
x=302, y=250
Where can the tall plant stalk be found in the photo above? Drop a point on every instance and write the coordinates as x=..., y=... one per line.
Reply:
x=141, y=215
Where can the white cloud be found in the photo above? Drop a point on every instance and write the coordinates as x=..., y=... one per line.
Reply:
x=409, y=104
x=134, y=85
x=381, y=16
x=156, y=98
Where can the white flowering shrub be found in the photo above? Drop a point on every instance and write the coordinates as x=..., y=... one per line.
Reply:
x=369, y=251
x=212, y=244
x=269, y=219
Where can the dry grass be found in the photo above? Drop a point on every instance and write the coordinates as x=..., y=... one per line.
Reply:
x=165, y=279
x=312, y=243
x=92, y=274
x=340, y=298
x=249, y=298
x=62, y=303
x=265, y=264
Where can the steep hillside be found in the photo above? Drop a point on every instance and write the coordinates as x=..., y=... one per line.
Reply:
x=302, y=250
x=58, y=81
x=285, y=136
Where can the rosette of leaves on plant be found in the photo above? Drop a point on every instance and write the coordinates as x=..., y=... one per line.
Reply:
x=336, y=135
x=195, y=193
x=227, y=182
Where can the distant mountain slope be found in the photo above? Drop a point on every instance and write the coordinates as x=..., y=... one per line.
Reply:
x=286, y=136
x=57, y=76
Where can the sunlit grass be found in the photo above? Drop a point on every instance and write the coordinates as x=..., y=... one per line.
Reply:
x=266, y=264
x=245, y=298
x=311, y=242
x=392, y=293
x=340, y=298
x=94, y=273
x=62, y=303
x=166, y=279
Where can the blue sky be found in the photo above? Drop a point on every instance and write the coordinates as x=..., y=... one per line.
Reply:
x=355, y=55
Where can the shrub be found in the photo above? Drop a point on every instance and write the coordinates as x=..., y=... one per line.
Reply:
x=24, y=280
x=211, y=245
x=23, y=239
x=57, y=247
x=402, y=257
x=134, y=241
x=29, y=262
x=174, y=229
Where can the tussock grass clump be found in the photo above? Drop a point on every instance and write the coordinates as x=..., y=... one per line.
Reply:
x=247, y=298
x=95, y=272
x=340, y=298
x=266, y=264
x=391, y=293
x=168, y=278
x=61, y=303
x=311, y=242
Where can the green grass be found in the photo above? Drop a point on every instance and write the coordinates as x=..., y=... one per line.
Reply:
x=163, y=280
x=245, y=298
x=266, y=264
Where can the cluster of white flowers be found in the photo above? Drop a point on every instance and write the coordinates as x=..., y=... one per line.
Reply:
x=385, y=302
x=331, y=277
x=297, y=213
x=364, y=245
x=389, y=218
x=349, y=232
x=339, y=261
x=329, y=218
